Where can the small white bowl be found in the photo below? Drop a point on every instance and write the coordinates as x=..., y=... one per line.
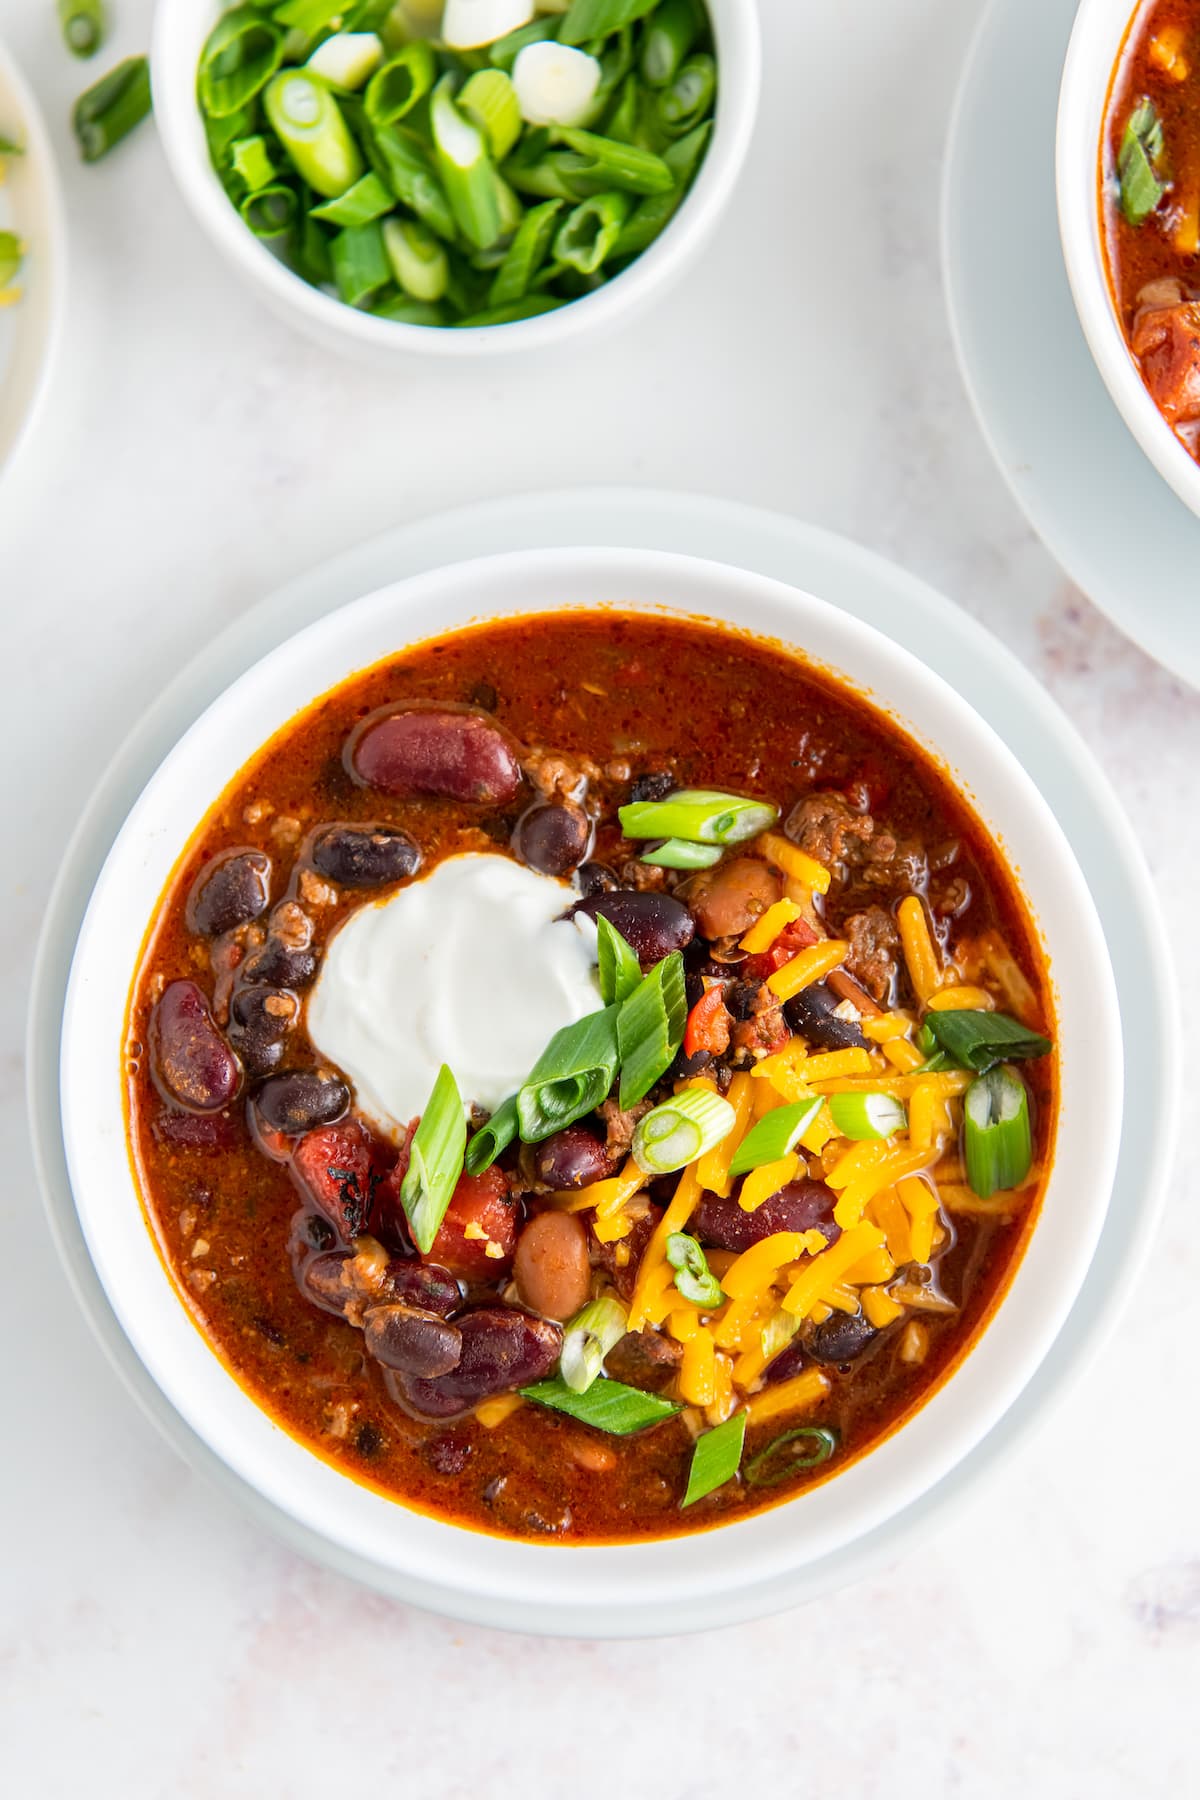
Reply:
x=31, y=205
x=1096, y=43
x=623, y=1589
x=181, y=28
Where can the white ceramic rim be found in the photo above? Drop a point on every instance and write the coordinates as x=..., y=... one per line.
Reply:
x=1097, y=41
x=180, y=28
x=489, y=1575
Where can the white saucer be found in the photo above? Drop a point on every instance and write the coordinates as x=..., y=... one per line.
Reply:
x=864, y=585
x=1064, y=449
x=31, y=205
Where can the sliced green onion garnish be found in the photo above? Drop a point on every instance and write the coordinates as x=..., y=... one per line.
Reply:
x=308, y=122
x=418, y=258
x=83, y=25
x=650, y=1028
x=865, y=1117
x=369, y=198
x=666, y=39
x=699, y=816
x=571, y=1077
x=588, y=234
x=805, y=1448
x=435, y=1161
x=109, y=111
x=979, y=1040
x=607, y=1405
x=600, y=163
x=490, y=98
x=360, y=263
x=347, y=59
x=587, y=1340
x=588, y=19
x=681, y=1129
x=531, y=307
x=403, y=311
x=394, y=90
x=526, y=253
x=693, y=1277
x=689, y=98
x=466, y=169
x=405, y=164
x=716, y=1458
x=620, y=970
x=308, y=17
x=655, y=212
x=499, y=1132
x=1140, y=163
x=677, y=853
x=271, y=211
x=242, y=53
x=778, y=1333
x=10, y=147
x=997, y=1135
x=775, y=1135
x=251, y=160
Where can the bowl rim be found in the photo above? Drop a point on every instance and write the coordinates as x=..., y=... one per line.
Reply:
x=503, y=1576
x=1096, y=44
x=179, y=29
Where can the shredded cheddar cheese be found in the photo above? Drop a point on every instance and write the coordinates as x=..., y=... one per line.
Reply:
x=712, y=1170
x=920, y=957
x=811, y=964
x=903, y=1054
x=921, y=1204
x=958, y=998
x=763, y=933
x=655, y=1273
x=795, y=862
x=890, y=1169
x=881, y=1309
x=798, y=1394
x=756, y=1268
x=824, y=1272
x=766, y=1180
x=491, y=1413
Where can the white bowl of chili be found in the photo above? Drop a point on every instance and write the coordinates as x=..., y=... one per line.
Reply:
x=1095, y=107
x=181, y=30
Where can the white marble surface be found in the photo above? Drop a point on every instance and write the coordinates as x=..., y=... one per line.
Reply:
x=152, y=1642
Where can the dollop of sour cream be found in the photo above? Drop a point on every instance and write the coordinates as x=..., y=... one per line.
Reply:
x=474, y=966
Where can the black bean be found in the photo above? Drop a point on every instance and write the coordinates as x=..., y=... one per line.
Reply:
x=552, y=839
x=652, y=924
x=279, y=966
x=301, y=1100
x=229, y=892
x=595, y=878
x=841, y=1338
x=321, y=1280
x=811, y=1013
x=359, y=856
x=259, y=1021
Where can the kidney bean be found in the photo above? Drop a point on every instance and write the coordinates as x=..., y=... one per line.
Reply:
x=811, y=1013
x=841, y=1338
x=728, y=899
x=789, y=1362
x=424, y=1285
x=278, y=966
x=301, y=1100
x=593, y=878
x=652, y=924
x=800, y=1206
x=358, y=856
x=259, y=1021
x=502, y=1349
x=321, y=1281
x=551, y=1265
x=573, y=1158
x=229, y=892
x=197, y=1131
x=430, y=750
x=192, y=1063
x=412, y=1341
x=552, y=839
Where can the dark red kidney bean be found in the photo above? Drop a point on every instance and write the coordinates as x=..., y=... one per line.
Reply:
x=411, y=1341
x=502, y=1349
x=552, y=839
x=424, y=1285
x=800, y=1206
x=358, y=856
x=192, y=1063
x=652, y=924
x=811, y=1013
x=301, y=1100
x=573, y=1158
x=789, y=1362
x=841, y=1338
x=229, y=892
x=197, y=1131
x=279, y=966
x=321, y=1281
x=425, y=750
x=259, y=1021
x=593, y=878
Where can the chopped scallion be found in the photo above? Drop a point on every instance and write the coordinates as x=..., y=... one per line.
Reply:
x=677, y=853
x=620, y=971
x=251, y=160
x=491, y=100
x=607, y=1405
x=83, y=25
x=499, y=1132
x=588, y=19
x=667, y=37
x=12, y=254
x=418, y=258
x=360, y=263
x=588, y=234
x=554, y=84
x=715, y=1458
x=997, y=1135
x=699, y=816
x=688, y=99
x=369, y=198
x=774, y=1136
x=270, y=212
x=395, y=89
x=805, y=1448
x=1140, y=163
x=466, y=169
x=435, y=1161
x=650, y=1028
x=979, y=1040
x=681, y=1129
x=572, y=1076
x=347, y=59
x=866, y=1117
x=587, y=1340
x=308, y=122
x=693, y=1277
x=242, y=53
x=109, y=111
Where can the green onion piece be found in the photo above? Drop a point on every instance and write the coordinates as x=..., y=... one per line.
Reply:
x=347, y=59
x=505, y=51
x=689, y=99
x=588, y=235
x=526, y=253
x=309, y=124
x=10, y=147
x=271, y=211
x=778, y=1333
x=12, y=254
x=403, y=311
x=512, y=211
x=109, y=111
x=1140, y=163
x=997, y=1135
x=925, y=1041
x=805, y=1448
x=490, y=98
x=715, y=1458
x=616, y=60
x=241, y=55
x=395, y=89
x=699, y=816
x=620, y=970
x=866, y=1117
x=360, y=263
x=418, y=258
x=251, y=160
x=405, y=164
x=683, y=158
x=531, y=307
x=83, y=25
x=933, y=1065
x=601, y=163
x=650, y=1028
x=369, y=198
x=308, y=17
x=435, y=1161
x=666, y=40
x=677, y=853
x=776, y=1134
x=468, y=175
x=693, y=1277
x=587, y=1340
x=607, y=1405
x=979, y=1040
x=587, y=19
x=621, y=123
x=310, y=253
x=681, y=1129
x=571, y=1077
x=499, y=1132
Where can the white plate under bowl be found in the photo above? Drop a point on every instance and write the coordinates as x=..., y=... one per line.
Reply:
x=1083, y=482
x=860, y=584
x=31, y=205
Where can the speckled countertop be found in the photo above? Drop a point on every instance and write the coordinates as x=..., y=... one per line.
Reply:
x=193, y=454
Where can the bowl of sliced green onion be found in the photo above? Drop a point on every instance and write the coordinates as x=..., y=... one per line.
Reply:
x=456, y=176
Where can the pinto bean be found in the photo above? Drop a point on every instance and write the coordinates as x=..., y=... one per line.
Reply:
x=573, y=1158
x=411, y=1340
x=301, y=1100
x=812, y=1013
x=800, y=1206
x=727, y=900
x=430, y=750
x=229, y=892
x=502, y=1349
x=259, y=1021
x=192, y=1063
x=551, y=1266
x=552, y=839
x=652, y=924
x=358, y=856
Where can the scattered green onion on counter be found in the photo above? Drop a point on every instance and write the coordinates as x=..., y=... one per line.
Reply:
x=698, y=816
x=866, y=1118
x=997, y=1134
x=108, y=112
x=681, y=1129
x=693, y=1277
x=587, y=1340
x=650, y=1028
x=774, y=1136
x=83, y=25
x=716, y=1458
x=435, y=1161
x=605, y=1405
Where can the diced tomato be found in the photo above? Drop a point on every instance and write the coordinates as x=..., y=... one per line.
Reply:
x=338, y=1168
x=792, y=939
x=708, y=1024
x=478, y=1235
